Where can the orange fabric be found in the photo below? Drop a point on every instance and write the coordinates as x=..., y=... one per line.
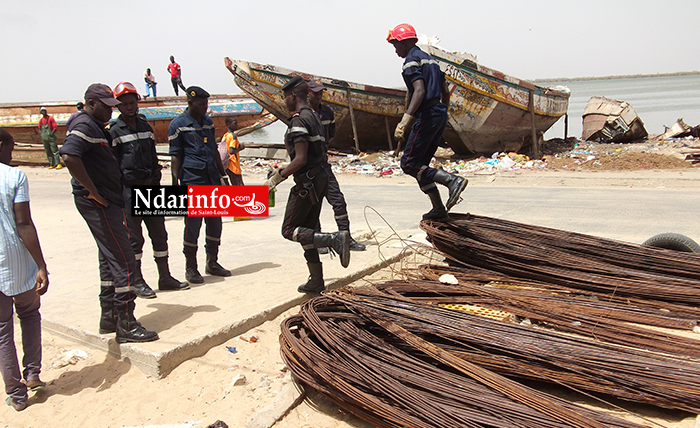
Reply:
x=234, y=162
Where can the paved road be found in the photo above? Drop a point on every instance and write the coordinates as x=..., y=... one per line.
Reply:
x=619, y=213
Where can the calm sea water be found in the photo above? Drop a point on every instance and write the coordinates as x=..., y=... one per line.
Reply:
x=658, y=101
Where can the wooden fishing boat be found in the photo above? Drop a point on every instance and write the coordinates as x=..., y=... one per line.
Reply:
x=21, y=120
x=489, y=111
x=365, y=116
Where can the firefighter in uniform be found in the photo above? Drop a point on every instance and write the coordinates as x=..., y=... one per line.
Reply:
x=305, y=144
x=334, y=196
x=424, y=121
x=196, y=161
x=134, y=147
x=97, y=191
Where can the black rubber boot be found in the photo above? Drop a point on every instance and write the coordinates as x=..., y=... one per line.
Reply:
x=356, y=246
x=454, y=183
x=315, y=282
x=165, y=280
x=438, y=213
x=192, y=275
x=214, y=268
x=140, y=287
x=338, y=241
x=130, y=330
x=108, y=321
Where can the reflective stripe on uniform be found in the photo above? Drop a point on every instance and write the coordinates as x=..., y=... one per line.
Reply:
x=340, y=217
x=160, y=253
x=420, y=173
x=299, y=129
x=138, y=256
x=211, y=238
x=86, y=138
x=188, y=129
x=188, y=244
x=133, y=137
x=122, y=289
x=327, y=122
x=294, y=235
x=427, y=187
x=422, y=62
x=307, y=246
x=317, y=138
x=107, y=283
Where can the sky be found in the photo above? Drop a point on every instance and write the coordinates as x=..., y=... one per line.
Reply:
x=53, y=49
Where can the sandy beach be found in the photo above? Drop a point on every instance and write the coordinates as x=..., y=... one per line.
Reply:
x=233, y=387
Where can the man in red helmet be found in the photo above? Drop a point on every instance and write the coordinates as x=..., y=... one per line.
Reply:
x=424, y=121
x=134, y=146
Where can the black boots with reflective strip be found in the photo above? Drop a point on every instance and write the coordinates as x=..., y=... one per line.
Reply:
x=130, y=330
x=140, y=287
x=214, y=268
x=165, y=281
x=315, y=282
x=338, y=241
x=454, y=183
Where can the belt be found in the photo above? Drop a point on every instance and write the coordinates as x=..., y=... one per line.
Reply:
x=309, y=175
x=429, y=104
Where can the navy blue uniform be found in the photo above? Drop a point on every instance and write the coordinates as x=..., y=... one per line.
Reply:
x=304, y=203
x=87, y=139
x=431, y=118
x=135, y=150
x=197, y=145
x=334, y=196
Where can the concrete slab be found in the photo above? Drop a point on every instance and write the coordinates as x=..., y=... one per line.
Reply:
x=266, y=272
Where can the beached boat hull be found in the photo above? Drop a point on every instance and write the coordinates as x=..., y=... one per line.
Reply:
x=21, y=119
x=611, y=121
x=376, y=110
x=489, y=111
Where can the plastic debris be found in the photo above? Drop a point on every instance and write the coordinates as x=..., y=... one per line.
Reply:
x=231, y=349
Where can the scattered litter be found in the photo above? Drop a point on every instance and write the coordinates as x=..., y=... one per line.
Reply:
x=69, y=358
x=239, y=380
x=231, y=349
x=448, y=279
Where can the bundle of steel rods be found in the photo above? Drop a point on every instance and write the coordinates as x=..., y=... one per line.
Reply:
x=632, y=374
x=396, y=362
x=568, y=259
x=608, y=322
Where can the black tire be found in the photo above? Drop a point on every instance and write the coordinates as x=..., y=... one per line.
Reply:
x=673, y=241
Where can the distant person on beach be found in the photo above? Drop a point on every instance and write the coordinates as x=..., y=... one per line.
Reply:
x=334, y=196
x=134, y=146
x=23, y=278
x=424, y=121
x=151, y=83
x=233, y=148
x=47, y=129
x=97, y=193
x=175, y=75
x=305, y=144
x=196, y=161
x=80, y=107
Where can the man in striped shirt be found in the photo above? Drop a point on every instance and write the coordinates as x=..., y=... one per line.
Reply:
x=23, y=278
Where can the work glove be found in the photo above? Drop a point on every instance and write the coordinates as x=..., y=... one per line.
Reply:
x=401, y=132
x=274, y=178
